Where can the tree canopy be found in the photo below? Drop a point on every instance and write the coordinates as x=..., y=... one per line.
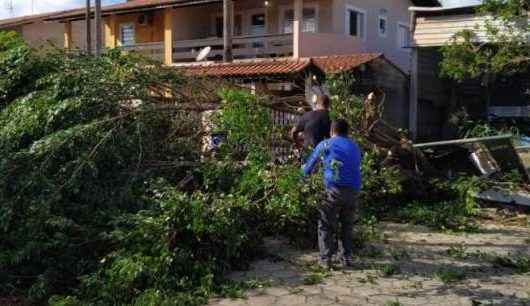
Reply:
x=504, y=50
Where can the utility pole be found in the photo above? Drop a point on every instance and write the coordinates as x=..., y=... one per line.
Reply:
x=88, y=29
x=227, y=30
x=98, y=27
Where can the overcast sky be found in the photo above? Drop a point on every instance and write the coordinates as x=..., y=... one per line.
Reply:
x=14, y=8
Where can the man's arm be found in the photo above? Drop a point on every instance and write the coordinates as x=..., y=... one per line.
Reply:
x=299, y=127
x=313, y=160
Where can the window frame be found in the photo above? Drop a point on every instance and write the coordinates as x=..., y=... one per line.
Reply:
x=247, y=20
x=235, y=33
x=284, y=8
x=385, y=18
x=400, y=46
x=126, y=24
x=363, y=26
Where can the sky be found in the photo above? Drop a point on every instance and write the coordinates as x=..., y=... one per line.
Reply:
x=28, y=7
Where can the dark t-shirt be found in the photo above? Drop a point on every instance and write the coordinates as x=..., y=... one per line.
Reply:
x=316, y=127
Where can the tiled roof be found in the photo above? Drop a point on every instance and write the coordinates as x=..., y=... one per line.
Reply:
x=338, y=63
x=283, y=66
x=134, y=5
x=17, y=21
x=254, y=68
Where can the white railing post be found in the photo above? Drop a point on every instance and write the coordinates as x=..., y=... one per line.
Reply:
x=168, y=36
x=297, y=26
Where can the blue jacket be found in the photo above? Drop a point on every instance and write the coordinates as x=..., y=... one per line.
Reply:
x=341, y=160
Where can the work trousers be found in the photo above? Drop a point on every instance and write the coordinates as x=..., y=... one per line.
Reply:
x=339, y=209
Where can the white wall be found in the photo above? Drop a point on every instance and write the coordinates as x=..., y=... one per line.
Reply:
x=396, y=11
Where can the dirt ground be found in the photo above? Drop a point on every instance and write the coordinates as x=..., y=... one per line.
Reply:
x=409, y=265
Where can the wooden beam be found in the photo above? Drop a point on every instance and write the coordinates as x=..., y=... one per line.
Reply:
x=228, y=30
x=297, y=27
x=168, y=36
x=110, y=32
x=68, y=35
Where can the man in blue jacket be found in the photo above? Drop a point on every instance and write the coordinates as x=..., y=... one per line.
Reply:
x=341, y=163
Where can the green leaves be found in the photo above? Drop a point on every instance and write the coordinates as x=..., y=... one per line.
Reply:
x=503, y=49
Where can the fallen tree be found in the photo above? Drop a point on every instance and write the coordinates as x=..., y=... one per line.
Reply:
x=107, y=199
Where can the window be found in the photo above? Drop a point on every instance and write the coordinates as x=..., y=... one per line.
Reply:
x=219, y=25
x=309, y=20
x=257, y=24
x=356, y=22
x=404, y=38
x=127, y=34
x=382, y=26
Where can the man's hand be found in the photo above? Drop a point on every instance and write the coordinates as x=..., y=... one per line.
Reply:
x=294, y=134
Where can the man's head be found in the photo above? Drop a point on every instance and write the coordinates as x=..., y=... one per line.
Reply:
x=323, y=102
x=340, y=127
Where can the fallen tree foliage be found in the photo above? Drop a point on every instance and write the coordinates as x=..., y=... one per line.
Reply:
x=106, y=197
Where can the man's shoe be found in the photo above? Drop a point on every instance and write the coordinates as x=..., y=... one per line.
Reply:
x=325, y=264
x=348, y=262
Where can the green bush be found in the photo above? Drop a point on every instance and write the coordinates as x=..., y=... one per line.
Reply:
x=75, y=152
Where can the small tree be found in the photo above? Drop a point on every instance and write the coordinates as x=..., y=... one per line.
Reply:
x=504, y=50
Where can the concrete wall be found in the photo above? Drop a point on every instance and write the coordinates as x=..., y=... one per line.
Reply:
x=396, y=11
x=321, y=44
x=33, y=34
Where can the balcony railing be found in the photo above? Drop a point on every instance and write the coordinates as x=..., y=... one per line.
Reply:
x=251, y=46
x=153, y=50
x=254, y=46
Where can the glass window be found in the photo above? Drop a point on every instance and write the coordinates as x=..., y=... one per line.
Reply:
x=219, y=25
x=356, y=23
x=127, y=34
x=404, y=38
x=309, y=23
x=257, y=24
x=383, y=24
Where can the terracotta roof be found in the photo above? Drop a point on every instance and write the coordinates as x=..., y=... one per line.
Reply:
x=338, y=63
x=283, y=66
x=135, y=5
x=252, y=68
x=17, y=21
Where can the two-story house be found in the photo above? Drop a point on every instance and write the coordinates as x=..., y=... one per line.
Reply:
x=284, y=39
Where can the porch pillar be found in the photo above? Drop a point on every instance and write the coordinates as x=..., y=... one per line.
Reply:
x=413, y=103
x=168, y=36
x=68, y=35
x=110, y=32
x=297, y=26
x=228, y=30
x=413, y=88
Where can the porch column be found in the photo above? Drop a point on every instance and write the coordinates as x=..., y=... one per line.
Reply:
x=413, y=88
x=297, y=26
x=228, y=30
x=168, y=36
x=68, y=35
x=413, y=103
x=110, y=32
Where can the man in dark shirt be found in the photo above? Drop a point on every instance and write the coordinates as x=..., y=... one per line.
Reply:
x=315, y=125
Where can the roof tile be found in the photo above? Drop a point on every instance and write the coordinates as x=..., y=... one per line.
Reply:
x=283, y=66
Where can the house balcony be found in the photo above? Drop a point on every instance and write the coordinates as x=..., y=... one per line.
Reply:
x=282, y=28
x=245, y=46
x=251, y=46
